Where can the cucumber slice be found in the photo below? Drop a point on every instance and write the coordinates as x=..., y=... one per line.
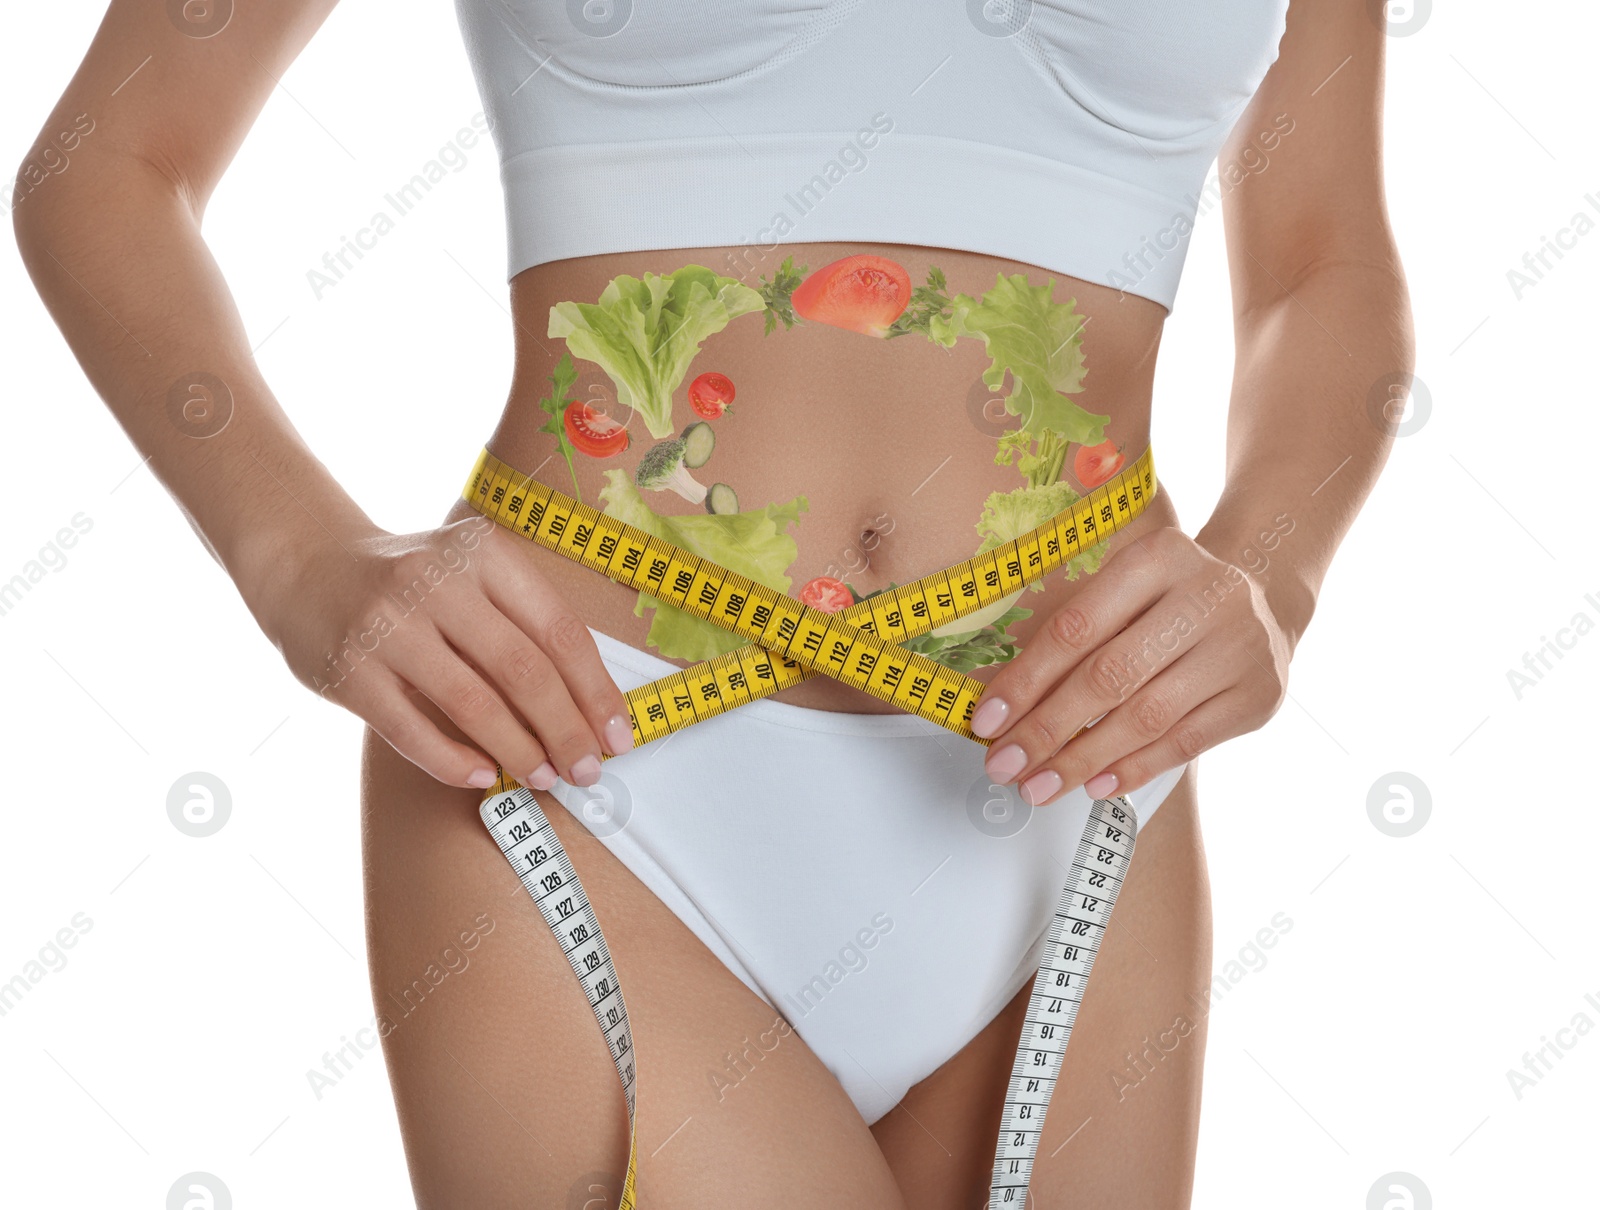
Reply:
x=698, y=440
x=721, y=499
x=979, y=618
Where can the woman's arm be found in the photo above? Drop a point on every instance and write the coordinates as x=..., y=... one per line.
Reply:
x=113, y=244
x=1183, y=643
x=1323, y=346
x=115, y=250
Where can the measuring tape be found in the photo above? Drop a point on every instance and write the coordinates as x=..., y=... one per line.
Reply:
x=790, y=641
x=1082, y=916
x=1083, y=913
x=523, y=832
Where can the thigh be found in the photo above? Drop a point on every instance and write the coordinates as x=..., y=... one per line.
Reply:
x=1122, y=1125
x=505, y=1089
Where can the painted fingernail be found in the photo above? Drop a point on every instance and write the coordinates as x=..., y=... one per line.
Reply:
x=1005, y=764
x=1041, y=786
x=543, y=777
x=585, y=772
x=990, y=716
x=482, y=779
x=619, y=734
x=1100, y=785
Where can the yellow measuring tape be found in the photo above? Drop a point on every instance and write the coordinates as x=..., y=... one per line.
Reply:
x=791, y=641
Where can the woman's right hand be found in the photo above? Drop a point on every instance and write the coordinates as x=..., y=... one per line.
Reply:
x=460, y=616
x=450, y=665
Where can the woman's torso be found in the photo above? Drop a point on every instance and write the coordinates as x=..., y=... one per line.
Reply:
x=892, y=442
x=738, y=135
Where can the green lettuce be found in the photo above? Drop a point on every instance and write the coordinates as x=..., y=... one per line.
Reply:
x=645, y=331
x=1009, y=515
x=754, y=544
x=1039, y=341
x=975, y=649
x=1039, y=461
x=969, y=649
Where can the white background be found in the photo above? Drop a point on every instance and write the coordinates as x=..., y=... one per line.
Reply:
x=1376, y=1038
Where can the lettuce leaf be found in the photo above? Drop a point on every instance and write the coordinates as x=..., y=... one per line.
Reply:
x=1009, y=515
x=645, y=331
x=754, y=544
x=975, y=649
x=1039, y=461
x=967, y=650
x=1040, y=342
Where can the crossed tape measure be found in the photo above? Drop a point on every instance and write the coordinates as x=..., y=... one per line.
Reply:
x=791, y=641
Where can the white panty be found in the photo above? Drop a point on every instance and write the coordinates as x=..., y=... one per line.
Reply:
x=856, y=871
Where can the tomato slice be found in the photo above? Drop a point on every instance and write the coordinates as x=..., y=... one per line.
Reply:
x=710, y=394
x=1092, y=465
x=861, y=293
x=827, y=594
x=592, y=432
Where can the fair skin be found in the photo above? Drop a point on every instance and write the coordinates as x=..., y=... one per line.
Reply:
x=500, y=668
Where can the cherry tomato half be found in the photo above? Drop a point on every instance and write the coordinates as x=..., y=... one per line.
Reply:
x=592, y=432
x=827, y=594
x=1092, y=465
x=710, y=394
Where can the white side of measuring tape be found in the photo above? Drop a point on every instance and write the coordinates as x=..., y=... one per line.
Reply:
x=1083, y=913
x=523, y=832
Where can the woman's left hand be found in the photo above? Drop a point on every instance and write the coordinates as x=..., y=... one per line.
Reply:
x=1176, y=648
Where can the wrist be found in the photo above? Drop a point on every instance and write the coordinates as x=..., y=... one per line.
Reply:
x=275, y=565
x=1260, y=549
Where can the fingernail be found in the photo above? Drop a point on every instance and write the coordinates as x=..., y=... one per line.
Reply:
x=619, y=734
x=1005, y=764
x=585, y=772
x=482, y=779
x=990, y=716
x=1100, y=785
x=1041, y=786
x=543, y=777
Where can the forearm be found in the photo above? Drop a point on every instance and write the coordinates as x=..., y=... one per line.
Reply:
x=1305, y=441
x=115, y=251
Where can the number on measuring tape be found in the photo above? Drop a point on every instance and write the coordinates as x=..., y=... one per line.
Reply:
x=1081, y=918
x=851, y=646
x=519, y=826
x=860, y=647
x=1082, y=915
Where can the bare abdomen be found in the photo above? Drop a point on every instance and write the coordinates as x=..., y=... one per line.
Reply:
x=870, y=461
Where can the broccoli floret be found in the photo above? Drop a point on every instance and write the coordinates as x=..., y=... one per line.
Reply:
x=662, y=469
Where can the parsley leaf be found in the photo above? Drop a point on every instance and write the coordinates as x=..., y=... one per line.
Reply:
x=554, y=405
x=776, y=295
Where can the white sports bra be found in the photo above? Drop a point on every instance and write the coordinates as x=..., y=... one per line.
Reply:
x=1071, y=134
